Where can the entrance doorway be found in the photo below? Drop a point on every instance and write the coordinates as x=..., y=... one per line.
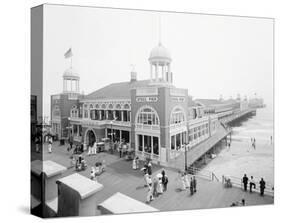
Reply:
x=90, y=137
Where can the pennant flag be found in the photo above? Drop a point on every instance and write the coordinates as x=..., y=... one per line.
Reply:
x=68, y=53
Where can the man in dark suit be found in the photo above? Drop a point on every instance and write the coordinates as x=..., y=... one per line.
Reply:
x=262, y=186
x=245, y=182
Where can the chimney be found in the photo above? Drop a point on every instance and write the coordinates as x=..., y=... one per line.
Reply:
x=133, y=76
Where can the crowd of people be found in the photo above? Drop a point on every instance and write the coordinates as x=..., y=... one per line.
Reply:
x=186, y=183
x=156, y=185
x=252, y=184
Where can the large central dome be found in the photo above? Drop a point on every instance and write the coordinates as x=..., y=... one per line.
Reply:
x=160, y=53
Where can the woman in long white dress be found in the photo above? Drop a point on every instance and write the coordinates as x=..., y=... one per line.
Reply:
x=187, y=183
x=50, y=142
x=90, y=150
x=183, y=181
x=95, y=148
x=160, y=185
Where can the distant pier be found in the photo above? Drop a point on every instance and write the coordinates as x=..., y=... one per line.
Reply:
x=238, y=116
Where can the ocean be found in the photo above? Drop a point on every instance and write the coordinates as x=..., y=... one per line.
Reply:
x=241, y=157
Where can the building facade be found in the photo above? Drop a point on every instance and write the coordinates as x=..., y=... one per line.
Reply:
x=154, y=117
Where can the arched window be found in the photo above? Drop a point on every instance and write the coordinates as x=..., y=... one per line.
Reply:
x=118, y=107
x=103, y=106
x=74, y=112
x=97, y=106
x=110, y=106
x=126, y=107
x=91, y=106
x=56, y=112
x=147, y=116
x=177, y=116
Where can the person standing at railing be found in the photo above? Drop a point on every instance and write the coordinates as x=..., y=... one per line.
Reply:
x=194, y=184
x=252, y=184
x=245, y=180
x=191, y=186
x=262, y=186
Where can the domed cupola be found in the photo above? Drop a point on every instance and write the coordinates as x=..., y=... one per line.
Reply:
x=160, y=65
x=160, y=54
x=70, y=72
x=71, y=81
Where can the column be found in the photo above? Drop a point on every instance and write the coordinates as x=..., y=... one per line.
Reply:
x=77, y=130
x=122, y=115
x=83, y=112
x=156, y=72
x=169, y=73
x=64, y=85
x=151, y=71
x=99, y=114
x=163, y=69
x=120, y=135
x=114, y=114
x=106, y=114
x=180, y=140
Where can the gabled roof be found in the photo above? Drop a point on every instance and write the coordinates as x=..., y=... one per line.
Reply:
x=209, y=102
x=230, y=101
x=117, y=90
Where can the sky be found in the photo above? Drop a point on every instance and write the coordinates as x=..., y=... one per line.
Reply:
x=211, y=55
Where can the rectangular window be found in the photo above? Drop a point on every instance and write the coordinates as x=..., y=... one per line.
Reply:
x=147, y=144
x=155, y=145
x=178, y=142
x=140, y=143
x=172, y=142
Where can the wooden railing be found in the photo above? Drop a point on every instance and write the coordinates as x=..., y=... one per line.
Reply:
x=237, y=182
x=202, y=173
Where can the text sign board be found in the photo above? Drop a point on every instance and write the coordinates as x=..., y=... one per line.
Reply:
x=178, y=99
x=146, y=99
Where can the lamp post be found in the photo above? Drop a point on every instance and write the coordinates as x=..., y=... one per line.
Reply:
x=185, y=156
x=111, y=133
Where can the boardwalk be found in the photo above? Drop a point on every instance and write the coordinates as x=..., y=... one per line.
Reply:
x=199, y=150
x=120, y=177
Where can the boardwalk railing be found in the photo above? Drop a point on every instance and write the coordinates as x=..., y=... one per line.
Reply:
x=237, y=182
x=202, y=173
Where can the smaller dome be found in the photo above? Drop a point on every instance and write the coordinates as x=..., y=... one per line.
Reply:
x=70, y=72
x=160, y=52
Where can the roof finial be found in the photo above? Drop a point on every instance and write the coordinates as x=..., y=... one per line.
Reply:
x=159, y=30
x=133, y=67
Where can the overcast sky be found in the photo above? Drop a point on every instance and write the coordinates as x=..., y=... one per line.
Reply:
x=211, y=55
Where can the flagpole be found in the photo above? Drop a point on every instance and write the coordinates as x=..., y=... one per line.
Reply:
x=71, y=58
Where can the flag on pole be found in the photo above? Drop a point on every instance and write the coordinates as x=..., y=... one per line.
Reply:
x=68, y=53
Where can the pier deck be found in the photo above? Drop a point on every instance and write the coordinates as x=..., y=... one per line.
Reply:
x=199, y=150
x=238, y=115
x=119, y=177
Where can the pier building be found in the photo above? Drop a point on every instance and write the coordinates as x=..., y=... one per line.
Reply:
x=153, y=116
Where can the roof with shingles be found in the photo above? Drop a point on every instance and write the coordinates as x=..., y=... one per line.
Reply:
x=209, y=102
x=117, y=90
